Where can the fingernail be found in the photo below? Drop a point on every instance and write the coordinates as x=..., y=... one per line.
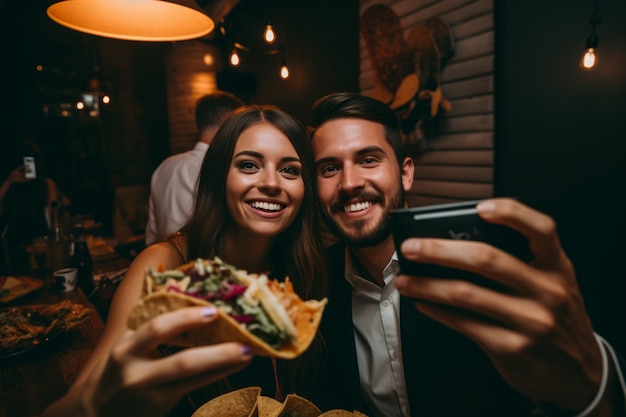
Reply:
x=486, y=207
x=208, y=312
x=246, y=350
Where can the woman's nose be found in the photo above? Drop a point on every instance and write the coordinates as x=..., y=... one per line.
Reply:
x=268, y=180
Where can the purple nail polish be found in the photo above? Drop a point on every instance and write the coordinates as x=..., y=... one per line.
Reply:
x=246, y=350
x=208, y=312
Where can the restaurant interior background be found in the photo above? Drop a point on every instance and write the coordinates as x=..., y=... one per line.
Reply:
x=555, y=133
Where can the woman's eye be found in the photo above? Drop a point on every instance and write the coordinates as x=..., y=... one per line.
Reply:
x=291, y=171
x=247, y=166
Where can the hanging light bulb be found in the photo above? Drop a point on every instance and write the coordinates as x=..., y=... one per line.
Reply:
x=589, y=59
x=590, y=56
x=269, y=35
x=234, y=58
x=284, y=71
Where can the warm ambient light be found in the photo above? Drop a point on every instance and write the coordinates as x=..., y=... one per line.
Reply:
x=284, y=71
x=136, y=20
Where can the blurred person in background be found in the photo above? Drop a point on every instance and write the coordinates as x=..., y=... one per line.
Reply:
x=26, y=195
x=173, y=184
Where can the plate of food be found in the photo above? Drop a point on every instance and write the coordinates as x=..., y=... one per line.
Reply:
x=15, y=287
x=26, y=328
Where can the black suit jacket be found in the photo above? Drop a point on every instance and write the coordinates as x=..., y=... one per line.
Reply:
x=446, y=373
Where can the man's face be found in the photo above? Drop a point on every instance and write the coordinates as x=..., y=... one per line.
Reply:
x=358, y=179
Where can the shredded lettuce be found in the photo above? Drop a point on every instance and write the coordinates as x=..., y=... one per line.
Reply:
x=217, y=282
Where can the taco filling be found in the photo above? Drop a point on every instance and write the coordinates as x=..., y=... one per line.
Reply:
x=253, y=309
x=245, y=299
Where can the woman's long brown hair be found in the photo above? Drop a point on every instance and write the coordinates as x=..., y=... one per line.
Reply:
x=298, y=252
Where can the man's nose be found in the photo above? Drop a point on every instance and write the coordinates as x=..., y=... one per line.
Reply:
x=350, y=179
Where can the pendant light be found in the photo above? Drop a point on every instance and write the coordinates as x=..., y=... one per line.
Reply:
x=135, y=20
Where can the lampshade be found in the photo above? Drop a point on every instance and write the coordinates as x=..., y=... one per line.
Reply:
x=135, y=20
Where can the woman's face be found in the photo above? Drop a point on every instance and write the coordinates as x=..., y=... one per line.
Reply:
x=264, y=186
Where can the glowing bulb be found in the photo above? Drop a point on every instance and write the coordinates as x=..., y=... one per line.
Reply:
x=80, y=105
x=106, y=99
x=234, y=58
x=589, y=59
x=269, y=35
x=284, y=72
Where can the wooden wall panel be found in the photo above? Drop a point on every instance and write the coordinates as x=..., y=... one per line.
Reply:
x=455, y=163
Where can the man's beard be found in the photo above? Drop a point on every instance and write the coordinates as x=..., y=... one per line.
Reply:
x=381, y=231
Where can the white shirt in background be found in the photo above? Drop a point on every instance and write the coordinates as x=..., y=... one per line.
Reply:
x=172, y=191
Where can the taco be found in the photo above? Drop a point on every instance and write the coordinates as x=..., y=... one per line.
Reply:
x=265, y=314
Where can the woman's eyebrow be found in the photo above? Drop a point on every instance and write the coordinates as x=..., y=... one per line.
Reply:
x=259, y=155
x=249, y=153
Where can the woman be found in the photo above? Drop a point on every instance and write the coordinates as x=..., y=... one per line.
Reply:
x=260, y=154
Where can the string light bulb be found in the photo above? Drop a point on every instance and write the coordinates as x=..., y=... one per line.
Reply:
x=234, y=58
x=284, y=71
x=269, y=35
x=589, y=59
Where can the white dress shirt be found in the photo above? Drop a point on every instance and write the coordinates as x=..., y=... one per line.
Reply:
x=172, y=191
x=376, y=318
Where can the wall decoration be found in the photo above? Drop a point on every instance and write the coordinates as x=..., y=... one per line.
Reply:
x=408, y=70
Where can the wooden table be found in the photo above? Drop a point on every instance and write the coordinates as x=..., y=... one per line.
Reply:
x=31, y=382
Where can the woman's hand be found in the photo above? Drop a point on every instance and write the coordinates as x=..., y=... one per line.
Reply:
x=134, y=381
x=535, y=329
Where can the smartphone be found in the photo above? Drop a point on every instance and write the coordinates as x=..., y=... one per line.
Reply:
x=452, y=221
x=30, y=171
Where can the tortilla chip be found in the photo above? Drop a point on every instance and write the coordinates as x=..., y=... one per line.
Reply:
x=268, y=407
x=248, y=402
x=305, y=315
x=294, y=405
x=233, y=404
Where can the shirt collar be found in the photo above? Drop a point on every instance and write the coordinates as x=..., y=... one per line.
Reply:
x=355, y=280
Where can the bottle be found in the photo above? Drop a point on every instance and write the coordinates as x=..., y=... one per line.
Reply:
x=57, y=243
x=81, y=260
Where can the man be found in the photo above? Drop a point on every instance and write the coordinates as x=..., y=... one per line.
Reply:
x=173, y=183
x=462, y=350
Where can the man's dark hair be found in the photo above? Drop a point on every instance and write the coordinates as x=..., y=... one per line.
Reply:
x=352, y=105
x=212, y=109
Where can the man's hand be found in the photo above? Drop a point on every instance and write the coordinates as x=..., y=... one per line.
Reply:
x=535, y=330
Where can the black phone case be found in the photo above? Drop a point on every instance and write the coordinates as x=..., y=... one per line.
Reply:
x=452, y=221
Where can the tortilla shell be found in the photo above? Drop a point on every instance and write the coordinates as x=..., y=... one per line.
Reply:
x=233, y=404
x=306, y=317
x=268, y=407
x=295, y=405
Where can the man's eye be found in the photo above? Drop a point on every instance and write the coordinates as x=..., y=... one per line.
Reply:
x=368, y=160
x=328, y=170
x=291, y=171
